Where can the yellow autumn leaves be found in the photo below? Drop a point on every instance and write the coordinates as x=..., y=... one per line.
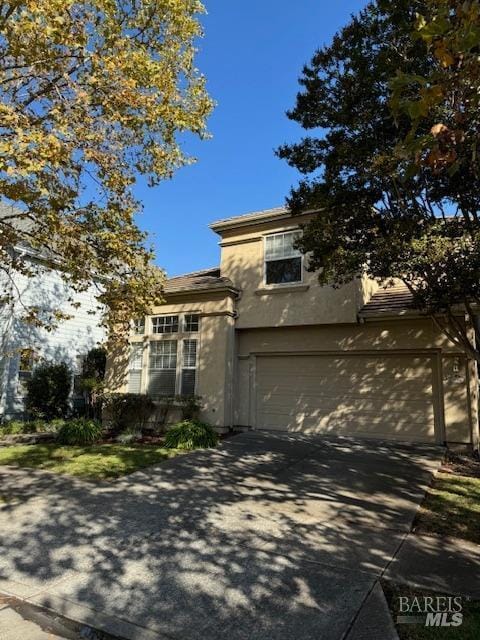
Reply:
x=92, y=93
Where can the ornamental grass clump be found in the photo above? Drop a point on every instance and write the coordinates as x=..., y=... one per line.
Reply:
x=191, y=434
x=80, y=432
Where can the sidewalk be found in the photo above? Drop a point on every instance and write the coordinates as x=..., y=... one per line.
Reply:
x=445, y=565
x=21, y=620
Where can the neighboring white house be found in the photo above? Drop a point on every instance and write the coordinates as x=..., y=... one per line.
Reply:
x=22, y=345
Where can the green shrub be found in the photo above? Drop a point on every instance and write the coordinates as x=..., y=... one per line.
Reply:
x=128, y=411
x=189, y=406
x=21, y=426
x=35, y=426
x=48, y=391
x=80, y=431
x=13, y=427
x=54, y=425
x=91, y=381
x=191, y=434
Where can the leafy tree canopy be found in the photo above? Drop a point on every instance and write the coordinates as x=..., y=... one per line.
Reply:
x=394, y=198
x=93, y=93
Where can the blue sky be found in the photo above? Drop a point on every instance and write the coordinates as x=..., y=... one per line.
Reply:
x=252, y=55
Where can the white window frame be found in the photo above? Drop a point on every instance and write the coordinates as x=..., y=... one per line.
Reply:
x=133, y=362
x=166, y=315
x=136, y=324
x=184, y=323
x=180, y=360
x=162, y=355
x=150, y=354
x=295, y=255
x=183, y=366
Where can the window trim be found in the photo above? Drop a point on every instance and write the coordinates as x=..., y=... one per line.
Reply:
x=150, y=368
x=166, y=315
x=25, y=374
x=179, y=368
x=151, y=354
x=183, y=367
x=184, y=323
x=274, y=285
x=136, y=324
x=136, y=346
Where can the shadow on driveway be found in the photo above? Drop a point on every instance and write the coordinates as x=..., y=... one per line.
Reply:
x=269, y=536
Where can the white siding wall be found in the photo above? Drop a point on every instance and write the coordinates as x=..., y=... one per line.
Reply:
x=72, y=339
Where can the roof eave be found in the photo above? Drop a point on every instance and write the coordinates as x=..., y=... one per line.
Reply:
x=203, y=289
x=392, y=315
x=252, y=220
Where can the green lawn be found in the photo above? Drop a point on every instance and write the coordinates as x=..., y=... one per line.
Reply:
x=451, y=508
x=468, y=630
x=97, y=462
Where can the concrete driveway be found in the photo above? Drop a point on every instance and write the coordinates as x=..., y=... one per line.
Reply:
x=270, y=536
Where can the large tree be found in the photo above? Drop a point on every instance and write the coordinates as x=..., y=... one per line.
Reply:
x=388, y=208
x=93, y=93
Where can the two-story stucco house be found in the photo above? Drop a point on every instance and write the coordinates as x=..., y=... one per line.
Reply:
x=23, y=344
x=267, y=347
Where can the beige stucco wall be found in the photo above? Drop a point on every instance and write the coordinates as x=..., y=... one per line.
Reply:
x=402, y=336
x=261, y=305
x=297, y=319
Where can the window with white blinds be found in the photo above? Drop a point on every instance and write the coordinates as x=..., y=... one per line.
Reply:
x=135, y=369
x=189, y=367
x=162, y=372
x=283, y=262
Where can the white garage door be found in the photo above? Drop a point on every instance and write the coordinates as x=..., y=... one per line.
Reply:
x=382, y=396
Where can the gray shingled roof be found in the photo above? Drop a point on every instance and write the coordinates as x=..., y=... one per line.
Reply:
x=205, y=279
x=394, y=299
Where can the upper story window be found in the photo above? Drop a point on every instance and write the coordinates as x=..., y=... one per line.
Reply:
x=165, y=324
x=138, y=328
x=191, y=322
x=283, y=263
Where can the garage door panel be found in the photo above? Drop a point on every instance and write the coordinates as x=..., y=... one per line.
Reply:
x=393, y=395
x=388, y=396
x=414, y=414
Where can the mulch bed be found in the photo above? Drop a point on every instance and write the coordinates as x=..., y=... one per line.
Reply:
x=462, y=464
x=155, y=440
